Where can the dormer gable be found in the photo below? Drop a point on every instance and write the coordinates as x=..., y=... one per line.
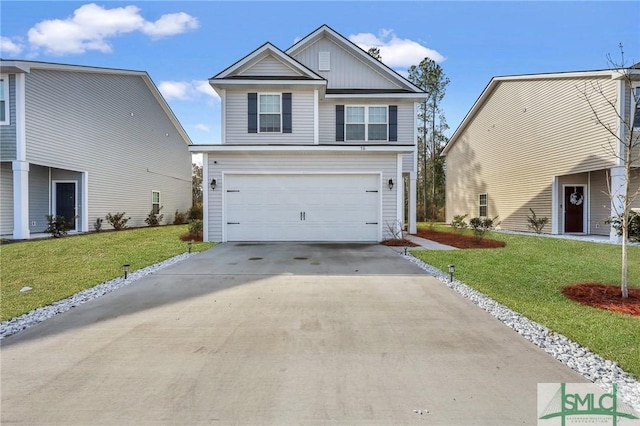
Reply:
x=347, y=68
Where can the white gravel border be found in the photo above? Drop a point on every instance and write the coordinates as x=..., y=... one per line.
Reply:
x=17, y=324
x=593, y=367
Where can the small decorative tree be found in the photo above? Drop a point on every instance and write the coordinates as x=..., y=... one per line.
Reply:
x=154, y=218
x=536, y=223
x=57, y=226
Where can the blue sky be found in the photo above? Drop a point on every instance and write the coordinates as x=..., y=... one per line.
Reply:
x=182, y=44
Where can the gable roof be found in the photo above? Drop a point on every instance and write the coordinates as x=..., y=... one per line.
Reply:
x=376, y=65
x=259, y=54
x=495, y=81
x=21, y=66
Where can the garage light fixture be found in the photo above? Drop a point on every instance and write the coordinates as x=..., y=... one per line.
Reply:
x=390, y=184
x=214, y=183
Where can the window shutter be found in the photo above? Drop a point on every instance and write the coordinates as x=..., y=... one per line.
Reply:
x=253, y=112
x=393, y=123
x=340, y=123
x=286, y=113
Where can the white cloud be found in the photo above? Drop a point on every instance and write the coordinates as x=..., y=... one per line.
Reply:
x=91, y=26
x=202, y=127
x=395, y=51
x=185, y=90
x=9, y=47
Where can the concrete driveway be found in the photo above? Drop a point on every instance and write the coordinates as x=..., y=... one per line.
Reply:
x=276, y=334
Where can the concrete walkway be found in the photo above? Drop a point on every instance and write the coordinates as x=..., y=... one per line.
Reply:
x=276, y=334
x=428, y=244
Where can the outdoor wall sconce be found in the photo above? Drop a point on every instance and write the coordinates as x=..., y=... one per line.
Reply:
x=214, y=183
x=390, y=184
x=125, y=268
x=452, y=269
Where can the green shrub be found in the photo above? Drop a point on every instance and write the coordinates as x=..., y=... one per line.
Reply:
x=154, y=218
x=117, y=220
x=633, y=225
x=97, y=225
x=57, y=226
x=481, y=226
x=458, y=223
x=180, y=218
x=536, y=223
x=195, y=231
x=195, y=212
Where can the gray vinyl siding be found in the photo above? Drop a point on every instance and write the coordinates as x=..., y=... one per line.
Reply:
x=347, y=70
x=236, y=109
x=39, y=199
x=407, y=162
x=526, y=133
x=327, y=120
x=269, y=66
x=6, y=198
x=8, y=132
x=111, y=127
x=385, y=163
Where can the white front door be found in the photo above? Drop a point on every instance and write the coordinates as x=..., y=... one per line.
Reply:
x=291, y=207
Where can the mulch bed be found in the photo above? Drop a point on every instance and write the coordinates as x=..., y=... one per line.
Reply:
x=604, y=296
x=458, y=240
x=399, y=243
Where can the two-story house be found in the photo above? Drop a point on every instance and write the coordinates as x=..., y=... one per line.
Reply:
x=532, y=142
x=318, y=144
x=81, y=142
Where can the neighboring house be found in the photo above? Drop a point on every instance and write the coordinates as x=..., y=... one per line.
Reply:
x=317, y=144
x=531, y=142
x=82, y=142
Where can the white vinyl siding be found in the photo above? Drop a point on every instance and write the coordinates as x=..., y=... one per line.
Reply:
x=268, y=66
x=380, y=163
x=236, y=112
x=347, y=69
x=526, y=133
x=111, y=127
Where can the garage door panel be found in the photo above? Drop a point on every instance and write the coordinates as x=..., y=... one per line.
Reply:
x=302, y=207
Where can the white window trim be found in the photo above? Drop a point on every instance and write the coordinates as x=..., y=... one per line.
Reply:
x=159, y=200
x=259, y=113
x=480, y=205
x=366, y=122
x=634, y=88
x=7, y=109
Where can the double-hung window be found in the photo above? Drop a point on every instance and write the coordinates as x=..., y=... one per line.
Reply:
x=482, y=205
x=4, y=99
x=366, y=123
x=155, y=202
x=269, y=113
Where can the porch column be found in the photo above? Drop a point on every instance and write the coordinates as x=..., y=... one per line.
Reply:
x=618, y=187
x=413, y=190
x=20, y=200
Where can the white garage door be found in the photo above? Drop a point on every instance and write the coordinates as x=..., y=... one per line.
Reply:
x=302, y=207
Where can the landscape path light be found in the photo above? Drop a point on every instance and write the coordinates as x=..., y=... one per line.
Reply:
x=452, y=269
x=125, y=268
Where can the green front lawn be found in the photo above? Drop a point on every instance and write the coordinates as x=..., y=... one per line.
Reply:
x=58, y=268
x=528, y=274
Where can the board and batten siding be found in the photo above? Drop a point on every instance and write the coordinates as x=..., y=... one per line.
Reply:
x=236, y=110
x=269, y=66
x=385, y=163
x=8, y=132
x=347, y=71
x=327, y=121
x=526, y=133
x=111, y=127
x=6, y=198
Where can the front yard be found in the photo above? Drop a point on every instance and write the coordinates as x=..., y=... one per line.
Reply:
x=528, y=275
x=58, y=268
